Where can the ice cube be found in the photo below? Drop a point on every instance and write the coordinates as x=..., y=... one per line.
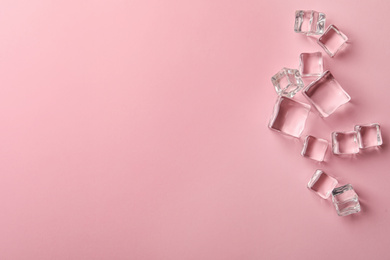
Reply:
x=314, y=148
x=326, y=94
x=289, y=116
x=309, y=22
x=311, y=64
x=322, y=184
x=332, y=40
x=287, y=82
x=345, y=200
x=345, y=143
x=368, y=135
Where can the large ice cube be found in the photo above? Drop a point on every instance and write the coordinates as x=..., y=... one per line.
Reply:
x=289, y=116
x=326, y=94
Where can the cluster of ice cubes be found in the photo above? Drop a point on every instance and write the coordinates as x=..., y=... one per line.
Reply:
x=363, y=136
x=344, y=198
x=326, y=95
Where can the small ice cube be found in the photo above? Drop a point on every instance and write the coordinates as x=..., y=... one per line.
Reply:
x=345, y=143
x=311, y=64
x=369, y=135
x=314, y=148
x=309, y=22
x=287, y=82
x=332, y=40
x=345, y=200
x=322, y=184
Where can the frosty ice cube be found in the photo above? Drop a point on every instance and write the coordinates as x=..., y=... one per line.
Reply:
x=345, y=143
x=322, y=184
x=287, y=82
x=314, y=148
x=311, y=64
x=332, y=40
x=309, y=22
x=345, y=200
x=368, y=135
x=326, y=94
x=289, y=116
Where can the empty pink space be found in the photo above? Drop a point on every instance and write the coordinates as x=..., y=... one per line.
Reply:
x=139, y=130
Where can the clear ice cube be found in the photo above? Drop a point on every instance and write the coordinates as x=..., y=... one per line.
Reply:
x=332, y=40
x=345, y=200
x=326, y=94
x=322, y=184
x=314, y=148
x=311, y=64
x=287, y=82
x=309, y=22
x=289, y=116
x=345, y=143
x=368, y=135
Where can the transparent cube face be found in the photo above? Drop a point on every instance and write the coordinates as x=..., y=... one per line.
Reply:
x=345, y=200
x=322, y=184
x=369, y=135
x=333, y=40
x=314, y=148
x=289, y=116
x=326, y=94
x=311, y=64
x=287, y=82
x=309, y=22
x=345, y=143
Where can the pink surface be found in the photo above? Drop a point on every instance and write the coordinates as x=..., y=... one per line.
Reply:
x=138, y=130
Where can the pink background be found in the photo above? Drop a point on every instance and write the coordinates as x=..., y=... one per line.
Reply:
x=138, y=130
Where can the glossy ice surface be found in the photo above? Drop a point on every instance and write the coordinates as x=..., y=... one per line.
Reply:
x=345, y=200
x=345, y=143
x=326, y=94
x=322, y=184
x=314, y=148
x=289, y=116
x=333, y=40
x=369, y=135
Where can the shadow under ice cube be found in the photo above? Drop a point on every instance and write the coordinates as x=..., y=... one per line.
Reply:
x=289, y=116
x=345, y=200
